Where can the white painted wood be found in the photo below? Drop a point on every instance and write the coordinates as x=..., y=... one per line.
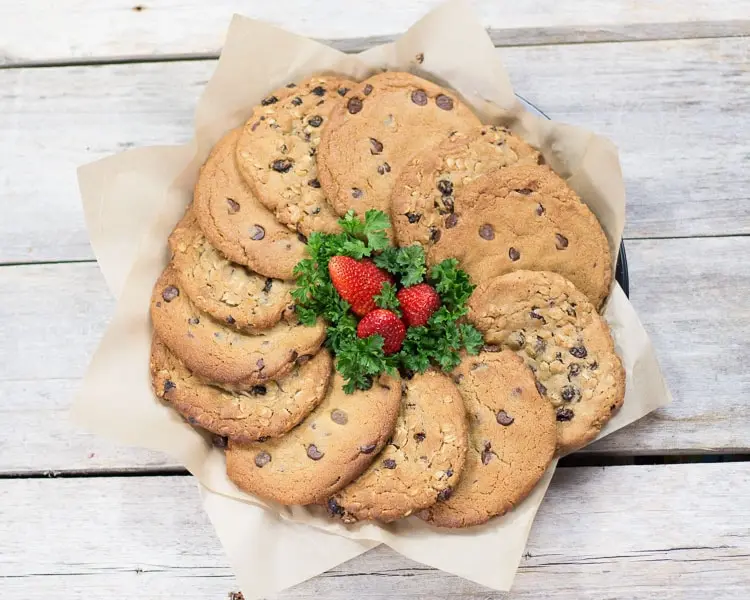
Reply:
x=679, y=112
x=691, y=294
x=40, y=31
x=671, y=531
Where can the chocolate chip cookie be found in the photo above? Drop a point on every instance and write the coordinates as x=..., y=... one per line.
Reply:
x=525, y=217
x=267, y=409
x=236, y=223
x=217, y=352
x=371, y=136
x=420, y=464
x=227, y=291
x=276, y=153
x=563, y=339
x=425, y=193
x=511, y=440
x=331, y=447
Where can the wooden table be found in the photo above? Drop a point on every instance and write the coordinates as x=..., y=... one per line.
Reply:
x=660, y=509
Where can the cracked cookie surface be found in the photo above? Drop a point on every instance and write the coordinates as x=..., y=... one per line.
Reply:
x=269, y=409
x=220, y=354
x=425, y=194
x=371, y=136
x=525, y=217
x=420, y=464
x=277, y=147
x=511, y=440
x=558, y=332
x=331, y=447
x=229, y=292
x=236, y=223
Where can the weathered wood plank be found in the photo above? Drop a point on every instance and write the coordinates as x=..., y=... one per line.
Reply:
x=96, y=31
x=139, y=538
x=696, y=310
x=679, y=112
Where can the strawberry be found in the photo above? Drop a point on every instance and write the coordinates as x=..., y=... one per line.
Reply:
x=385, y=323
x=357, y=281
x=418, y=302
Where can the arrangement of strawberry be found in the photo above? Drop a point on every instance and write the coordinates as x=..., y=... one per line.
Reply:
x=409, y=319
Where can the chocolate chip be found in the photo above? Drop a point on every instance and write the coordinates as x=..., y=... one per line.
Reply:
x=293, y=355
x=540, y=388
x=269, y=100
x=302, y=237
x=447, y=202
x=445, y=187
x=169, y=385
x=451, y=221
x=313, y=452
x=535, y=315
x=384, y=168
x=435, y=234
x=573, y=370
x=419, y=97
x=257, y=232
x=315, y=121
x=339, y=417
x=419, y=58
x=291, y=85
x=194, y=320
x=356, y=193
x=491, y=348
x=268, y=285
x=539, y=210
x=314, y=183
x=594, y=366
x=296, y=101
x=539, y=345
x=413, y=217
x=570, y=311
x=233, y=206
x=570, y=393
x=524, y=191
x=219, y=441
x=579, y=351
x=443, y=495
x=334, y=508
x=504, y=418
x=192, y=420
x=258, y=390
x=367, y=448
x=513, y=254
x=354, y=105
x=564, y=414
x=260, y=363
x=487, y=232
x=420, y=436
x=319, y=90
x=561, y=242
x=281, y=165
x=367, y=90
x=540, y=160
x=487, y=453
x=169, y=293
x=262, y=459
x=342, y=91
x=389, y=463
x=444, y=102
x=375, y=146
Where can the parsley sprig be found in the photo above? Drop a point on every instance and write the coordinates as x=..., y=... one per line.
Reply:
x=359, y=361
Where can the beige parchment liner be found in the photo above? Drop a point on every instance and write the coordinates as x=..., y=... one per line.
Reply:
x=133, y=200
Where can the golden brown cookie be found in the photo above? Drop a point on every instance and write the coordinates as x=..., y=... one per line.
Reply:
x=227, y=291
x=558, y=332
x=331, y=447
x=425, y=194
x=236, y=223
x=420, y=464
x=220, y=354
x=276, y=153
x=511, y=440
x=267, y=409
x=370, y=137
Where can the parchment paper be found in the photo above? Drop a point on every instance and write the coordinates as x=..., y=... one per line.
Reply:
x=133, y=200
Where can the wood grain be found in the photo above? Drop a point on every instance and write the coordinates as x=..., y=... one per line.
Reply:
x=679, y=112
x=689, y=293
x=115, y=29
x=639, y=536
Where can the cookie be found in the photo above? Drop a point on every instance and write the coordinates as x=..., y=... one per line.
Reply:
x=236, y=223
x=227, y=291
x=425, y=194
x=371, y=136
x=511, y=440
x=420, y=464
x=558, y=332
x=525, y=217
x=276, y=153
x=220, y=354
x=331, y=447
x=268, y=409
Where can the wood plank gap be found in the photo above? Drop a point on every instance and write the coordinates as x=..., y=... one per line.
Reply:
x=85, y=474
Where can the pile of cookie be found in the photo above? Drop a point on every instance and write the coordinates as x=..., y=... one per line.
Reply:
x=456, y=449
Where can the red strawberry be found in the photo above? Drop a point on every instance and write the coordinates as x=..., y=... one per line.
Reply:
x=418, y=302
x=357, y=281
x=385, y=323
